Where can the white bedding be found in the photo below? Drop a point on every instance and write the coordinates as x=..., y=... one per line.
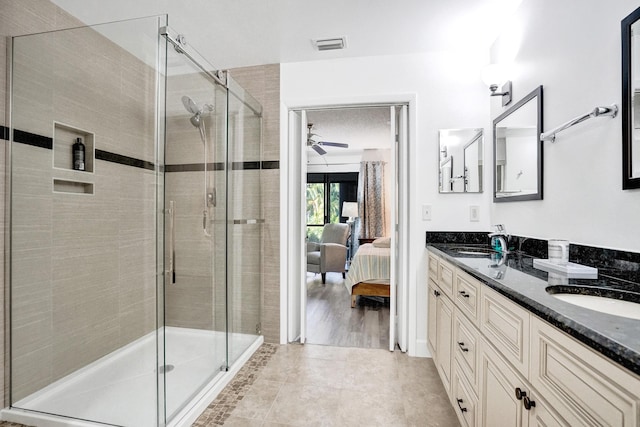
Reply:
x=369, y=264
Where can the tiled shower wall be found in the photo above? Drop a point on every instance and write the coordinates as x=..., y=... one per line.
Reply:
x=83, y=265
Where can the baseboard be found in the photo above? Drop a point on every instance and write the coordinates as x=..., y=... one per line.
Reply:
x=422, y=349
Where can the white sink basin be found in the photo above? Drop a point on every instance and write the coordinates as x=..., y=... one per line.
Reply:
x=616, y=307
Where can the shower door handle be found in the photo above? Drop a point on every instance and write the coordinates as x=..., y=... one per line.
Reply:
x=171, y=271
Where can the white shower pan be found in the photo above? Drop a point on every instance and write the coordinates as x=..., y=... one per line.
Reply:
x=121, y=388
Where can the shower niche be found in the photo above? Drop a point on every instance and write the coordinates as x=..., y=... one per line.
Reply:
x=67, y=179
x=64, y=136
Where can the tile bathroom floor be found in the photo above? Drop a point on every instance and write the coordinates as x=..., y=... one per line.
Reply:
x=315, y=385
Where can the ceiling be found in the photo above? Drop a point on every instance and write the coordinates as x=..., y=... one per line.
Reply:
x=232, y=33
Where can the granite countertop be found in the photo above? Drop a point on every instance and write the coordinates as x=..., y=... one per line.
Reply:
x=616, y=337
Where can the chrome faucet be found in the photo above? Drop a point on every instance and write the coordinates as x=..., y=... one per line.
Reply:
x=502, y=237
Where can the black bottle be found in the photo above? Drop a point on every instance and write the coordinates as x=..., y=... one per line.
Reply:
x=78, y=155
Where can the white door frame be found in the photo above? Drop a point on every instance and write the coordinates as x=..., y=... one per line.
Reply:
x=292, y=237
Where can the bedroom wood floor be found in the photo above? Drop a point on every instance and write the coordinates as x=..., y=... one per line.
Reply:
x=332, y=321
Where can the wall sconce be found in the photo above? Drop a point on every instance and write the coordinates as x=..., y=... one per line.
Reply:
x=494, y=75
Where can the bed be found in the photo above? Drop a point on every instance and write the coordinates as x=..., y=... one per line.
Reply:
x=369, y=272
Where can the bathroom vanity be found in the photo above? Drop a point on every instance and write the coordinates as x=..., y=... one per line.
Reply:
x=509, y=353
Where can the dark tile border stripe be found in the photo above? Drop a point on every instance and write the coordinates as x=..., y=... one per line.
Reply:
x=245, y=165
x=194, y=167
x=32, y=139
x=36, y=140
x=218, y=166
x=124, y=160
x=271, y=164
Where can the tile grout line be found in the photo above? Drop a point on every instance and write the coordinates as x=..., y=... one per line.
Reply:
x=226, y=402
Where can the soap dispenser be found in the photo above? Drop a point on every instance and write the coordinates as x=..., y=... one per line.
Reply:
x=78, y=155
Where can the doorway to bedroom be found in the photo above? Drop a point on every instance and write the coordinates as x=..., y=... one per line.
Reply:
x=350, y=168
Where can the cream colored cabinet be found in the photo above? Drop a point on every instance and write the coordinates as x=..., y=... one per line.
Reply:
x=503, y=366
x=581, y=384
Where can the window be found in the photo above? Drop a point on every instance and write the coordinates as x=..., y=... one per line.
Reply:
x=325, y=194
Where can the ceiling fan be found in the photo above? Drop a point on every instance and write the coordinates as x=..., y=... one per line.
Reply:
x=316, y=145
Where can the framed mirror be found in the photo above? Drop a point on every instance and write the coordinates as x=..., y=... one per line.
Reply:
x=461, y=158
x=517, y=151
x=631, y=101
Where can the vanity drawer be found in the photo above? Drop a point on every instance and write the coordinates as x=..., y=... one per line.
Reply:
x=446, y=273
x=464, y=401
x=467, y=295
x=506, y=326
x=465, y=348
x=583, y=386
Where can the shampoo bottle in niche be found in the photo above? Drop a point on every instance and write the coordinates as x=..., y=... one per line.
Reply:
x=78, y=155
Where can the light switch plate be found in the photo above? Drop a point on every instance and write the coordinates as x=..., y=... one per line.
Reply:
x=474, y=213
x=426, y=212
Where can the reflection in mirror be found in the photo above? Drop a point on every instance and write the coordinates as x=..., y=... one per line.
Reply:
x=517, y=151
x=464, y=175
x=631, y=100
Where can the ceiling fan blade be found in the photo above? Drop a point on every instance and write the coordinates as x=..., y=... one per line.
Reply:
x=318, y=149
x=334, y=144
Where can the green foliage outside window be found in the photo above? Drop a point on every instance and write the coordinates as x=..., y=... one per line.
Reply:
x=315, y=208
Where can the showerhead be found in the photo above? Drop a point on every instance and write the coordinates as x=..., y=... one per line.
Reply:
x=190, y=106
x=193, y=108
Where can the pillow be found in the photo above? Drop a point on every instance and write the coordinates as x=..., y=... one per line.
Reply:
x=382, y=242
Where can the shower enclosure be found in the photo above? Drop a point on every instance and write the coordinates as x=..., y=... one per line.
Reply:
x=135, y=284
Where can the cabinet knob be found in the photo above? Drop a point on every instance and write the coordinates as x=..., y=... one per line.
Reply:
x=436, y=293
x=460, y=405
x=464, y=294
x=520, y=394
x=461, y=344
x=528, y=403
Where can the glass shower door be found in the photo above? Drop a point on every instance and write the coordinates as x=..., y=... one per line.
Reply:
x=245, y=223
x=196, y=200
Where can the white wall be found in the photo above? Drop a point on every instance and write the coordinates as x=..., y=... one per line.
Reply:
x=449, y=94
x=573, y=49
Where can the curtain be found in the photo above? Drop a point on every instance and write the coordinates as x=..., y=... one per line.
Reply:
x=372, y=221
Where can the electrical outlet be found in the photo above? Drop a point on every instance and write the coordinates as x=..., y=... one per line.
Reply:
x=426, y=212
x=474, y=213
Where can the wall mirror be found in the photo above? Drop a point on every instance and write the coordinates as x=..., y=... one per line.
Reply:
x=461, y=157
x=517, y=151
x=631, y=100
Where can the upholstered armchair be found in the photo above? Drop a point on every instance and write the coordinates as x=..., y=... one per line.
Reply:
x=330, y=255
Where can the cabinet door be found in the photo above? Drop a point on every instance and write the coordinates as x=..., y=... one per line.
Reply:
x=499, y=406
x=444, y=334
x=432, y=325
x=463, y=399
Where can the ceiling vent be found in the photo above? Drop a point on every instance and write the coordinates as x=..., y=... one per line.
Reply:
x=330, y=44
